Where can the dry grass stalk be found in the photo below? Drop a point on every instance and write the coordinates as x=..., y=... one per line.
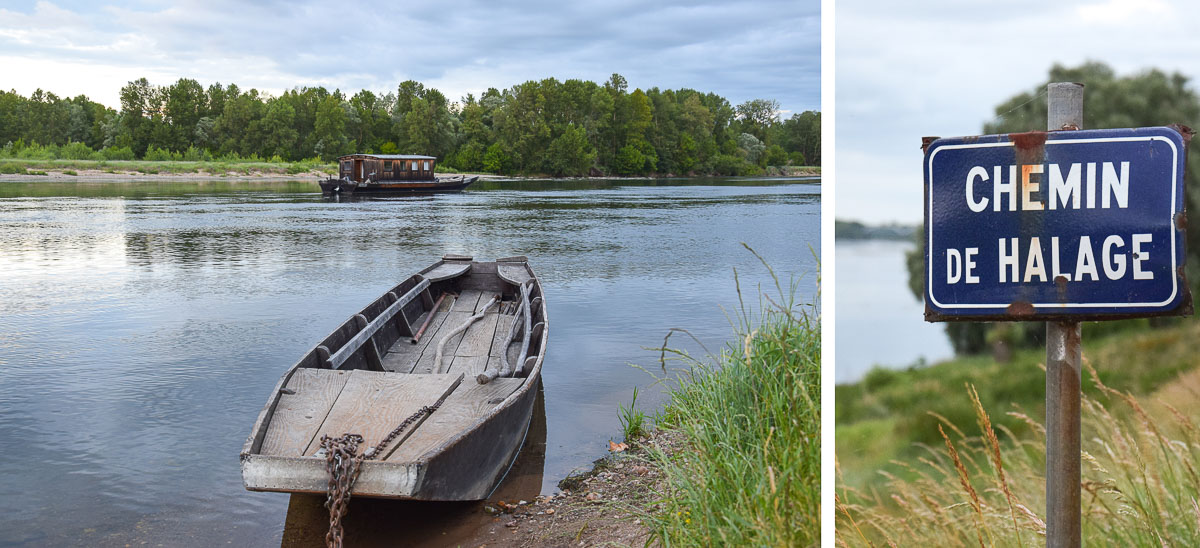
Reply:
x=985, y=425
x=976, y=504
x=1140, y=481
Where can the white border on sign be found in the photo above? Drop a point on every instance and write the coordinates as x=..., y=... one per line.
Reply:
x=1170, y=217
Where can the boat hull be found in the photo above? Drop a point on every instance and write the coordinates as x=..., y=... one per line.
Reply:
x=464, y=462
x=487, y=453
x=348, y=188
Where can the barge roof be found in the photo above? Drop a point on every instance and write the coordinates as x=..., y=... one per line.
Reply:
x=391, y=156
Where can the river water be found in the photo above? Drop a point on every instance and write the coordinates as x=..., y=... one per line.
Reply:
x=880, y=323
x=142, y=325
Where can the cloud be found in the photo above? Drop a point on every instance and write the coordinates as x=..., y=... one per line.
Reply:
x=1122, y=11
x=907, y=71
x=761, y=49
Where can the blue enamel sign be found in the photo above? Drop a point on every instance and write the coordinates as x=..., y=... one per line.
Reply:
x=1062, y=225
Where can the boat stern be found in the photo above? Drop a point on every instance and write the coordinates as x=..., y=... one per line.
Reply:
x=308, y=475
x=330, y=186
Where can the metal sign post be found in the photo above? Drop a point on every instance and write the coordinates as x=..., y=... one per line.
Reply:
x=1064, y=109
x=1058, y=226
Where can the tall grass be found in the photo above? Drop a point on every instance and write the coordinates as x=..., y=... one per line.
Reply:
x=749, y=474
x=892, y=415
x=1140, y=482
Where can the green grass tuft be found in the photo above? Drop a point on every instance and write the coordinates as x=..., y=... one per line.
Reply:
x=750, y=471
x=633, y=422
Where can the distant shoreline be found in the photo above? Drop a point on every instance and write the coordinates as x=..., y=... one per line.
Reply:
x=854, y=230
x=258, y=175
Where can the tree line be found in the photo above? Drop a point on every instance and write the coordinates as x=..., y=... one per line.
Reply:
x=568, y=128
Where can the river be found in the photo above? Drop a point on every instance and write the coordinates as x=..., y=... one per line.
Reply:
x=142, y=325
x=879, y=321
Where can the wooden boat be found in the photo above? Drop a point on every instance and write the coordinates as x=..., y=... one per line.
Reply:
x=369, y=375
x=390, y=174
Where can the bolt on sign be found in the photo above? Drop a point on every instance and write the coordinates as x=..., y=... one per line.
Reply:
x=1070, y=225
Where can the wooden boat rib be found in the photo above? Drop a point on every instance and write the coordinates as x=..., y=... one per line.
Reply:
x=369, y=375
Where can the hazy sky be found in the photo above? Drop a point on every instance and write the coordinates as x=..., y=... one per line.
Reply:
x=906, y=70
x=760, y=49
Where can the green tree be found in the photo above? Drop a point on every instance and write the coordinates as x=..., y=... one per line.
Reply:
x=751, y=148
x=138, y=100
x=629, y=161
x=329, y=130
x=185, y=103
x=758, y=116
x=685, y=160
x=801, y=134
x=497, y=160
x=366, y=120
x=775, y=156
x=278, y=131
x=237, y=129
x=13, y=117
x=570, y=153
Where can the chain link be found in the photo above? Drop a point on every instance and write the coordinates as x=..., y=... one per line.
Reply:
x=343, y=463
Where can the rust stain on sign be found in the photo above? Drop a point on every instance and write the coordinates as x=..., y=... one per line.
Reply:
x=1060, y=286
x=1028, y=142
x=926, y=141
x=1020, y=308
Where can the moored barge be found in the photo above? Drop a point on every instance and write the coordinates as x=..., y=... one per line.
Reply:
x=390, y=174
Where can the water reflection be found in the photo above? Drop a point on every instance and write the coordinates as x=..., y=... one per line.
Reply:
x=142, y=325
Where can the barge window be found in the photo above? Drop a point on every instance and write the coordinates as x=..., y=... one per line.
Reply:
x=412, y=165
x=387, y=166
x=426, y=165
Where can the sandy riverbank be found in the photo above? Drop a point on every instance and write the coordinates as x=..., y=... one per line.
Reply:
x=601, y=507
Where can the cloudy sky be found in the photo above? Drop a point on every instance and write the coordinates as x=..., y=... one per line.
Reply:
x=905, y=70
x=758, y=49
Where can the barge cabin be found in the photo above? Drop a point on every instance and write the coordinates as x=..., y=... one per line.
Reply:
x=390, y=173
x=361, y=168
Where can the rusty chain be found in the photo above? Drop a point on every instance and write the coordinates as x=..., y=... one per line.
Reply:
x=343, y=463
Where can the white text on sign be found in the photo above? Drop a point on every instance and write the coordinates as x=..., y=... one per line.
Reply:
x=1072, y=186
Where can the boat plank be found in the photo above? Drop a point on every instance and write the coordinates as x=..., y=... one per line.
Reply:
x=373, y=403
x=516, y=273
x=466, y=404
x=467, y=301
x=445, y=271
x=477, y=341
x=453, y=320
x=301, y=412
x=485, y=298
x=403, y=355
x=468, y=365
x=503, y=328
